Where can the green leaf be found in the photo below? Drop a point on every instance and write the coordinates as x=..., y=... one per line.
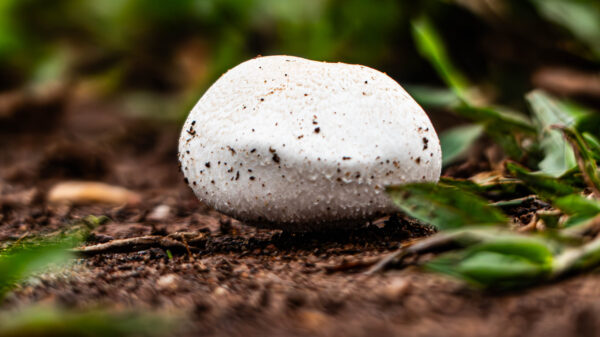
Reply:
x=50, y=321
x=490, y=185
x=444, y=206
x=578, y=112
x=457, y=141
x=18, y=264
x=514, y=202
x=505, y=262
x=573, y=177
x=463, y=184
x=547, y=187
x=559, y=156
x=563, y=194
x=579, y=208
x=577, y=259
x=489, y=269
x=431, y=97
x=578, y=204
x=496, y=270
x=593, y=144
x=531, y=248
x=504, y=127
x=431, y=47
x=548, y=111
x=498, y=118
x=581, y=18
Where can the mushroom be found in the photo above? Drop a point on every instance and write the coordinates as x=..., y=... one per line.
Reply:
x=286, y=142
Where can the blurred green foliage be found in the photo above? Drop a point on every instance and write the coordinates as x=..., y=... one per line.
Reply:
x=16, y=264
x=47, y=321
x=457, y=141
x=580, y=17
x=444, y=206
x=181, y=46
x=28, y=258
x=141, y=35
x=555, y=157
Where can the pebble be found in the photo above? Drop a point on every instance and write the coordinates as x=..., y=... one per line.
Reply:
x=159, y=213
x=168, y=282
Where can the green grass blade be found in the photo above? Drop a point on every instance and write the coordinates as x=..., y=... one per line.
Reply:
x=503, y=262
x=503, y=127
x=577, y=259
x=578, y=204
x=457, y=141
x=496, y=270
x=500, y=125
x=494, y=185
x=581, y=210
x=585, y=159
x=463, y=184
x=431, y=97
x=498, y=118
x=593, y=144
x=444, y=207
x=18, y=264
x=532, y=248
x=431, y=47
x=50, y=321
x=547, y=187
x=581, y=18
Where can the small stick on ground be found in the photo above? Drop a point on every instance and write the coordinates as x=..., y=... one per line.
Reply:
x=187, y=248
x=21, y=238
x=133, y=245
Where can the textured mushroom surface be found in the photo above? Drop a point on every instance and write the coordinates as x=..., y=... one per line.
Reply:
x=285, y=142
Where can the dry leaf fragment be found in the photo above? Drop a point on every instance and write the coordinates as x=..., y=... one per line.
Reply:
x=79, y=192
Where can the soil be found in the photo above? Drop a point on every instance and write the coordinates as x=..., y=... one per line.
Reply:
x=237, y=280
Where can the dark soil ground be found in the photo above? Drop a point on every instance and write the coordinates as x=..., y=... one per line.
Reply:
x=236, y=280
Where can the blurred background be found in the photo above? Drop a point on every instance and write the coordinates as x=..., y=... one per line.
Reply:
x=80, y=78
x=156, y=58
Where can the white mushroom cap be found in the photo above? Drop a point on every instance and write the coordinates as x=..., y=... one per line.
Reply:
x=285, y=142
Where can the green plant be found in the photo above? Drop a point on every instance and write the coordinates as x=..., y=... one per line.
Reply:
x=25, y=259
x=561, y=240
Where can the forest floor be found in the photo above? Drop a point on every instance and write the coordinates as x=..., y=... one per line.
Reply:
x=229, y=279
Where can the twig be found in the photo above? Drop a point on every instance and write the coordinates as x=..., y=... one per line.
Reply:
x=21, y=238
x=187, y=247
x=351, y=265
x=433, y=242
x=388, y=260
x=132, y=245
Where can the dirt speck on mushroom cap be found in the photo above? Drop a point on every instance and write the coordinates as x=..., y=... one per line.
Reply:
x=294, y=142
